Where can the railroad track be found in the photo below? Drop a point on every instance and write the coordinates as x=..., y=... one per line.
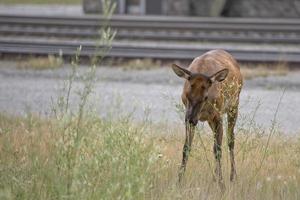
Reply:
x=71, y=32
x=176, y=52
x=157, y=28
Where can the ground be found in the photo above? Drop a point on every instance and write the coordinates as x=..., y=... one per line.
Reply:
x=155, y=92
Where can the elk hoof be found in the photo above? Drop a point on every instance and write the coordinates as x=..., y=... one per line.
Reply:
x=180, y=175
x=233, y=176
x=222, y=186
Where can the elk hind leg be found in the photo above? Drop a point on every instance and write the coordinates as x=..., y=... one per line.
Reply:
x=231, y=118
x=217, y=127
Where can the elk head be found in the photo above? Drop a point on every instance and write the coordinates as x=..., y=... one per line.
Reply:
x=196, y=90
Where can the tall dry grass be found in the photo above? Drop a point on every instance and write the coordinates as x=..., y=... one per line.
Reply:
x=120, y=159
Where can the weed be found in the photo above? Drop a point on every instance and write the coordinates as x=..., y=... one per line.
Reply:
x=41, y=63
x=141, y=64
x=264, y=70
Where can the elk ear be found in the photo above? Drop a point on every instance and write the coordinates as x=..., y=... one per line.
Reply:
x=181, y=72
x=219, y=76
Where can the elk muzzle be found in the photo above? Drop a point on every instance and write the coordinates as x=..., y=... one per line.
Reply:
x=191, y=115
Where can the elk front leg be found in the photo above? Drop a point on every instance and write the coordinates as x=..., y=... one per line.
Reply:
x=217, y=128
x=189, y=135
x=232, y=116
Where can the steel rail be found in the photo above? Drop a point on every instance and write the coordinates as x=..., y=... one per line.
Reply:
x=95, y=19
x=180, y=52
x=149, y=35
x=155, y=23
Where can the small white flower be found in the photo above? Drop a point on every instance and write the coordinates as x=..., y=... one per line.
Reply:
x=268, y=179
x=258, y=186
x=279, y=177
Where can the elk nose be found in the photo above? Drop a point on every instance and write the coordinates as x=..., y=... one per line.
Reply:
x=191, y=121
x=194, y=122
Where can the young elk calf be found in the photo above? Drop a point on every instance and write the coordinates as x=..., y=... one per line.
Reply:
x=212, y=87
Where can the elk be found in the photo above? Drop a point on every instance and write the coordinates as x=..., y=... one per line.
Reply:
x=213, y=83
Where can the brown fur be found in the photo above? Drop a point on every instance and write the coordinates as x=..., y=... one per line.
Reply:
x=207, y=96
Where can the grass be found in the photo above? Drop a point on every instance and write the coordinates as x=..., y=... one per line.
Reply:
x=41, y=63
x=40, y=1
x=120, y=159
x=141, y=64
x=251, y=71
